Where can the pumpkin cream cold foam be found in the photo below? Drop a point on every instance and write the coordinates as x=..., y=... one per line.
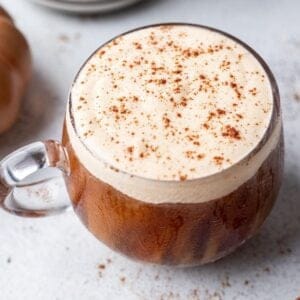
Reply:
x=172, y=103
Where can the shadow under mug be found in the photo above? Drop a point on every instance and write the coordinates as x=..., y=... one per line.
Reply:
x=166, y=233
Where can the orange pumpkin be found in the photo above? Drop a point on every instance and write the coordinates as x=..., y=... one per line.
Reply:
x=15, y=70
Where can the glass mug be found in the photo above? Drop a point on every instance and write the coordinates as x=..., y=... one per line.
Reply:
x=166, y=233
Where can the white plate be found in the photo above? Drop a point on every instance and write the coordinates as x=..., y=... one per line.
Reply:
x=92, y=6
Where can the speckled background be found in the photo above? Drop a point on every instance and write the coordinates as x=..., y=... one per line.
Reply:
x=56, y=258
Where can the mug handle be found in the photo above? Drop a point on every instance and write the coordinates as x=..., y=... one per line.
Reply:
x=28, y=161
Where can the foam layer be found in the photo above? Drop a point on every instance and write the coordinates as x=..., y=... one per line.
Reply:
x=170, y=103
x=162, y=191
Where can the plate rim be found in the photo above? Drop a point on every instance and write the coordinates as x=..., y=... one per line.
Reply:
x=87, y=7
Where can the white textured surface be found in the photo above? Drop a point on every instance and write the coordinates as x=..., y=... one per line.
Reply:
x=56, y=258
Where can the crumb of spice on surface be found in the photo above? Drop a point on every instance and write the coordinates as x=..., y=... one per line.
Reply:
x=297, y=97
x=195, y=294
x=283, y=249
x=101, y=266
x=226, y=282
x=170, y=296
x=123, y=279
x=63, y=38
x=214, y=296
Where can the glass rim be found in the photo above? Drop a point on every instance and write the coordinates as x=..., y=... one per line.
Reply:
x=254, y=150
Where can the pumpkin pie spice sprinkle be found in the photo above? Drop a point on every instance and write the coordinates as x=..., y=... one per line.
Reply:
x=172, y=102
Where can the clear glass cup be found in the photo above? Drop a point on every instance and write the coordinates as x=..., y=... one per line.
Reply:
x=167, y=233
